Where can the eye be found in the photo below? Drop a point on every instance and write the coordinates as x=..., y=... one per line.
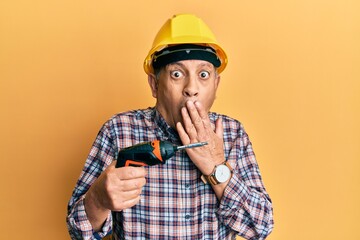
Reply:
x=176, y=74
x=204, y=74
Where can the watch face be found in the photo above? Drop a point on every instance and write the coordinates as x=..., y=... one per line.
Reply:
x=222, y=173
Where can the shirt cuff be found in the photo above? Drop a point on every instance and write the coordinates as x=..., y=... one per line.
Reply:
x=235, y=196
x=84, y=225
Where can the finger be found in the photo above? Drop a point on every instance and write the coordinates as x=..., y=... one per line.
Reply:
x=194, y=114
x=132, y=184
x=122, y=196
x=125, y=173
x=182, y=134
x=188, y=124
x=125, y=203
x=219, y=129
x=204, y=115
x=197, y=121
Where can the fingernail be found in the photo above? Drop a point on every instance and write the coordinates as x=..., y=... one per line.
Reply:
x=190, y=103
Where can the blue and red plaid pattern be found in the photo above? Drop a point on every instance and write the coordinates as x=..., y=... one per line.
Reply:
x=175, y=203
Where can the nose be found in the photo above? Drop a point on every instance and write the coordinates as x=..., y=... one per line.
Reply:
x=191, y=89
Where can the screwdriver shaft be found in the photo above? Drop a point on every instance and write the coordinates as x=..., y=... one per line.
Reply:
x=191, y=145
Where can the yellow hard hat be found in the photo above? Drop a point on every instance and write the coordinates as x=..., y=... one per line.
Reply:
x=184, y=29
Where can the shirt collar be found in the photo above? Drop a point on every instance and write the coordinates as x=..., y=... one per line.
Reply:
x=163, y=129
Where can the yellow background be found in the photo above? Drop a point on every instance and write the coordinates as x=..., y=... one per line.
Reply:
x=293, y=79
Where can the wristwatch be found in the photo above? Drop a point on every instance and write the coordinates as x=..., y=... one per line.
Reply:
x=220, y=174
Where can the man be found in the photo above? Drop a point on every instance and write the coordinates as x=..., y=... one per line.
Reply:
x=211, y=192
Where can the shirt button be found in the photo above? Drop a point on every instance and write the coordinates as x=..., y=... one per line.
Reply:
x=187, y=216
x=187, y=186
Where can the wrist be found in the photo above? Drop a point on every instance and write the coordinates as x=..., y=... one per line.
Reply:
x=221, y=173
x=208, y=166
x=93, y=200
x=95, y=213
x=208, y=169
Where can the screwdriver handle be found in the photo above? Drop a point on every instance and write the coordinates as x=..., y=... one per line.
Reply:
x=150, y=153
x=144, y=154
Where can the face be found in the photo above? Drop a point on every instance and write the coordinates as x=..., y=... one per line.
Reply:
x=178, y=82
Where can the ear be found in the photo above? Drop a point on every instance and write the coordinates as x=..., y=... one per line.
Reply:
x=153, y=84
x=217, y=81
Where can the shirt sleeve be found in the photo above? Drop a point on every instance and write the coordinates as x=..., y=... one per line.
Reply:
x=101, y=155
x=246, y=206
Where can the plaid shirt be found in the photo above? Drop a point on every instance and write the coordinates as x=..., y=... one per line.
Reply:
x=175, y=203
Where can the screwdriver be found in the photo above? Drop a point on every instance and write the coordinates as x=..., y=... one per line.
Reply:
x=150, y=153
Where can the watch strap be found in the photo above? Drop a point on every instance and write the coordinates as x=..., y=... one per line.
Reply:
x=211, y=178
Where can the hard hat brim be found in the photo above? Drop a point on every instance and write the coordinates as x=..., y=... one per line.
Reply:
x=148, y=68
